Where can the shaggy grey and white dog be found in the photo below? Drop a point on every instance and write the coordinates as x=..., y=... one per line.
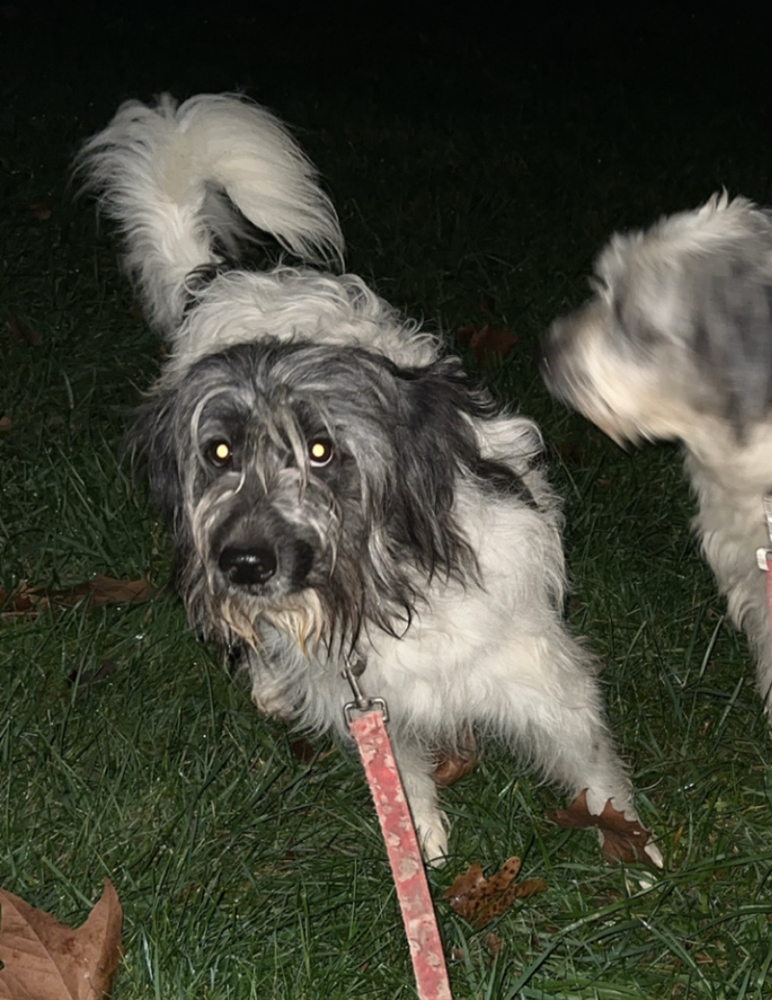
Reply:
x=339, y=492
x=677, y=344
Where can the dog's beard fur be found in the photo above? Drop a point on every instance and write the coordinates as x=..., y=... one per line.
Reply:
x=677, y=344
x=339, y=492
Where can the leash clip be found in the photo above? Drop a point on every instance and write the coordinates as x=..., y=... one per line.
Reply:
x=361, y=702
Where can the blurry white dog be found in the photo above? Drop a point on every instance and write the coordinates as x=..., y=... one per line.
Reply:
x=677, y=344
x=339, y=492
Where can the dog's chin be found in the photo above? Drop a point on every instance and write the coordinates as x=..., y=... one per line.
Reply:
x=298, y=614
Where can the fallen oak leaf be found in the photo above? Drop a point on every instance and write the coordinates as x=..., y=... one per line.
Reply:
x=46, y=960
x=622, y=839
x=24, y=332
x=303, y=750
x=479, y=900
x=493, y=943
x=30, y=602
x=106, y=590
x=486, y=341
x=40, y=210
x=486, y=304
x=84, y=678
x=571, y=452
x=451, y=765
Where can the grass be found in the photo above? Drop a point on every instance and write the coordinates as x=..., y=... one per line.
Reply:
x=475, y=184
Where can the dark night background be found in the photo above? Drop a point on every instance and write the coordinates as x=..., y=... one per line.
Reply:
x=628, y=79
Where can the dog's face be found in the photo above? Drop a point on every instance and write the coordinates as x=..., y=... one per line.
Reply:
x=308, y=485
x=679, y=328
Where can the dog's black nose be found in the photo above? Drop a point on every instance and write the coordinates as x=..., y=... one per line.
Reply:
x=245, y=567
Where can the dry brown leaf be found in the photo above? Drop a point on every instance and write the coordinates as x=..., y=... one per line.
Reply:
x=40, y=210
x=571, y=452
x=479, y=899
x=303, y=750
x=85, y=678
x=46, y=960
x=106, y=590
x=493, y=943
x=486, y=303
x=453, y=765
x=29, y=602
x=486, y=341
x=24, y=332
x=623, y=839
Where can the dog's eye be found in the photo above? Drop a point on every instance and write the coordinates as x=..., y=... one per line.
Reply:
x=220, y=454
x=320, y=452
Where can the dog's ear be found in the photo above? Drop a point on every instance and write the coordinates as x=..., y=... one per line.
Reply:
x=732, y=331
x=437, y=403
x=434, y=443
x=154, y=450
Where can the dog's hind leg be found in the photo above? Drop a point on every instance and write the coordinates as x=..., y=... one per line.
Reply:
x=551, y=708
x=745, y=586
x=571, y=745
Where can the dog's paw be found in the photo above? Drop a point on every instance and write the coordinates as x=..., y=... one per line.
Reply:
x=620, y=831
x=432, y=833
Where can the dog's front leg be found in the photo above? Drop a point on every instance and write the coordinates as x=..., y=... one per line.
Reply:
x=416, y=769
x=747, y=601
x=756, y=624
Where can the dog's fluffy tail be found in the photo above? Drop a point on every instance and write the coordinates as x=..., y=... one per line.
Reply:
x=162, y=172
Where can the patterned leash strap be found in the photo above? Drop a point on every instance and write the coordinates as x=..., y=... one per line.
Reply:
x=407, y=868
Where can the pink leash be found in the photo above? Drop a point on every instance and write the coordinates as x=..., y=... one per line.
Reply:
x=407, y=868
